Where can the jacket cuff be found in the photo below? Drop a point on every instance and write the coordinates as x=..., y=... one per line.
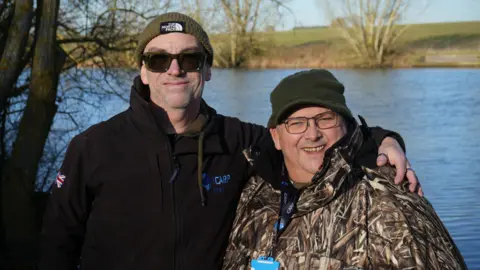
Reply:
x=379, y=134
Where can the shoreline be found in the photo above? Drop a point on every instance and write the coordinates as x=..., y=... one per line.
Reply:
x=415, y=66
x=337, y=58
x=271, y=67
x=331, y=57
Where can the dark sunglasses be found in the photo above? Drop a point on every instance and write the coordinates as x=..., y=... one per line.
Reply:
x=161, y=61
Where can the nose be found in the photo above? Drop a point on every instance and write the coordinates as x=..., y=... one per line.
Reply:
x=174, y=68
x=312, y=133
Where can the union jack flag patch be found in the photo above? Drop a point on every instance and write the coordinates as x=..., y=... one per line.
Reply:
x=60, y=179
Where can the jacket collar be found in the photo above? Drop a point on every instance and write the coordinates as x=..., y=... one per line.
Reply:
x=144, y=119
x=334, y=177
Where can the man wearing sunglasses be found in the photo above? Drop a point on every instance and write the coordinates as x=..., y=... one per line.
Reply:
x=156, y=186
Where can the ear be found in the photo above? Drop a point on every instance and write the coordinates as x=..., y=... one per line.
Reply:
x=208, y=73
x=275, y=138
x=143, y=74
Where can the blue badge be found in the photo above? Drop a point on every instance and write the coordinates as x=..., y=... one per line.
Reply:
x=265, y=263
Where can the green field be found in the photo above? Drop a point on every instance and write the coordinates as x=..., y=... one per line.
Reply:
x=435, y=44
x=462, y=34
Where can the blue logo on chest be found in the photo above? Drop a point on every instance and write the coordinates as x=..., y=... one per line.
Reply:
x=215, y=183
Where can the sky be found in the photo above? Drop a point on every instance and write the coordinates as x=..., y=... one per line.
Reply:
x=309, y=13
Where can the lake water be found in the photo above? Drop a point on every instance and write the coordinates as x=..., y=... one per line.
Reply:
x=437, y=112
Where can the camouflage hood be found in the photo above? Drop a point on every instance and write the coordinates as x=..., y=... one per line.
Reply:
x=333, y=176
x=350, y=217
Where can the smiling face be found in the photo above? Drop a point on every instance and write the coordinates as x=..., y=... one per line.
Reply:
x=175, y=89
x=303, y=153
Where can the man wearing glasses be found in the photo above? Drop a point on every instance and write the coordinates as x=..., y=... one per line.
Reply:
x=326, y=209
x=156, y=186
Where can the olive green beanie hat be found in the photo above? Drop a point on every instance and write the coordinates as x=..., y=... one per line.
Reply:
x=316, y=87
x=173, y=22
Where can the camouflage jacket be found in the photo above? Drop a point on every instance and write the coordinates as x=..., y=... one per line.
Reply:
x=349, y=218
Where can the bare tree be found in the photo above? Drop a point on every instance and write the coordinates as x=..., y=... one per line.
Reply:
x=205, y=12
x=20, y=171
x=234, y=25
x=243, y=20
x=371, y=27
x=104, y=26
x=46, y=103
x=15, y=47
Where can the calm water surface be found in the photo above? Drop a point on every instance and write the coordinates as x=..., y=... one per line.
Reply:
x=437, y=112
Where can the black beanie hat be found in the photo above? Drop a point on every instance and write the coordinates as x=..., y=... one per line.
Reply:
x=312, y=87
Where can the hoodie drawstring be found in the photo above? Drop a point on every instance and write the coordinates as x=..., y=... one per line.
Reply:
x=200, y=166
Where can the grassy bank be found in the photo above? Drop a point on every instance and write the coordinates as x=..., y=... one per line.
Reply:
x=436, y=44
x=454, y=44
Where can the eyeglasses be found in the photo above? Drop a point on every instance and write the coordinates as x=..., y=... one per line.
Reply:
x=323, y=120
x=161, y=61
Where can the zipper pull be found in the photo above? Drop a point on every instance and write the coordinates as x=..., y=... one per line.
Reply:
x=175, y=171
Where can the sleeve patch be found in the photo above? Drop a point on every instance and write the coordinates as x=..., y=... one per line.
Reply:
x=60, y=180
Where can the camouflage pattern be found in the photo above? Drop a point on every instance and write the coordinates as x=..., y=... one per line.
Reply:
x=343, y=221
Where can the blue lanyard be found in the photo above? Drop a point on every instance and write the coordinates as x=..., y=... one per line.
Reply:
x=288, y=201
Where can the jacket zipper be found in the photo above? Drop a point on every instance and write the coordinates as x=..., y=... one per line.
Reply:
x=176, y=217
x=175, y=168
